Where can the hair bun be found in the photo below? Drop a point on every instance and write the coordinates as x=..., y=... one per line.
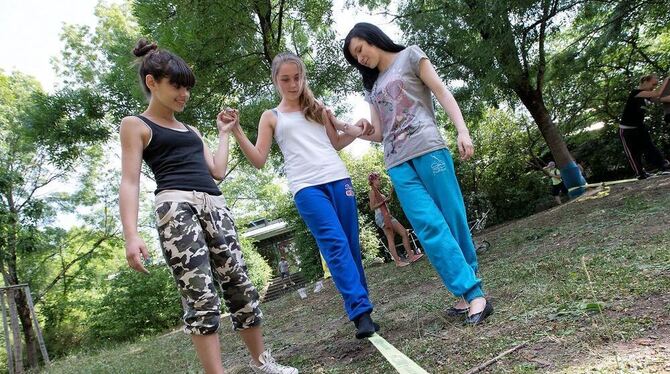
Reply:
x=143, y=47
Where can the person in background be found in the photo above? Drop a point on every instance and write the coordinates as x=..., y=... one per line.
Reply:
x=557, y=186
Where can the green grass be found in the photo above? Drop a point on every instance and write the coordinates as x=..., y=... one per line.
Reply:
x=536, y=273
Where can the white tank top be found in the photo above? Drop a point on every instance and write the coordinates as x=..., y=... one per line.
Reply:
x=309, y=157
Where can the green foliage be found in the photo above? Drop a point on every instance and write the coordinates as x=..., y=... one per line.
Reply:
x=369, y=240
x=258, y=270
x=136, y=304
x=65, y=123
x=306, y=250
x=499, y=177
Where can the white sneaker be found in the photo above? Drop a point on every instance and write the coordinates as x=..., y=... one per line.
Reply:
x=270, y=366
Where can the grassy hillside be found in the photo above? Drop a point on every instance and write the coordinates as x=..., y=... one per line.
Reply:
x=585, y=284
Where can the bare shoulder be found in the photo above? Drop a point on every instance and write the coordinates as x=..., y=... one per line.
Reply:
x=268, y=118
x=132, y=128
x=133, y=125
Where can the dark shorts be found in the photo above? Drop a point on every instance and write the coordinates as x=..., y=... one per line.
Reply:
x=284, y=275
x=556, y=189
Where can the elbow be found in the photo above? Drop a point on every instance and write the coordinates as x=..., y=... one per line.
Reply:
x=258, y=164
x=218, y=176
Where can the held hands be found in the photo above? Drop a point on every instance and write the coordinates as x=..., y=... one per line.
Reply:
x=362, y=127
x=365, y=126
x=465, y=147
x=227, y=120
x=135, y=248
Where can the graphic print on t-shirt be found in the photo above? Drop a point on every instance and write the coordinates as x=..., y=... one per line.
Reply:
x=402, y=111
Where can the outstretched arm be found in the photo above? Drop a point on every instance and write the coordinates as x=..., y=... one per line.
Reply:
x=655, y=94
x=257, y=154
x=337, y=139
x=217, y=163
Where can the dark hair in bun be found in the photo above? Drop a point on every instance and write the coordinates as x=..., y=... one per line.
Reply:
x=161, y=64
x=143, y=47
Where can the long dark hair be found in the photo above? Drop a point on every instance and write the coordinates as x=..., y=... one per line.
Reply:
x=161, y=64
x=375, y=36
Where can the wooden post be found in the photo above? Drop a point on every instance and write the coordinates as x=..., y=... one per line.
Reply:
x=16, y=332
x=8, y=344
x=40, y=340
x=13, y=341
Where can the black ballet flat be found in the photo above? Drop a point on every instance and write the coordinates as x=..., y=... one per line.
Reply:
x=478, y=318
x=455, y=312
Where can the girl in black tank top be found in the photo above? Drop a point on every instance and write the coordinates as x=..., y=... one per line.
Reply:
x=196, y=232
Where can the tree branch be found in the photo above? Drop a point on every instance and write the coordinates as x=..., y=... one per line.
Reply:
x=62, y=273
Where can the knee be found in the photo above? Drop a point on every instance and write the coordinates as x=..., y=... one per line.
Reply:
x=247, y=316
x=201, y=321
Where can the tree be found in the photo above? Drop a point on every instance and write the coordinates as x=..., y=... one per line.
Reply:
x=499, y=49
x=42, y=138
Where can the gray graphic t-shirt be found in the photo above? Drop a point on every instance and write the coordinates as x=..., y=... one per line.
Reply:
x=405, y=109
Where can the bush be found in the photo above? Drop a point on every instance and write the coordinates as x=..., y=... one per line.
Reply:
x=258, y=270
x=369, y=240
x=136, y=304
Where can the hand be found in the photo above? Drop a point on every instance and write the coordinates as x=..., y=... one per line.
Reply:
x=227, y=120
x=367, y=127
x=135, y=248
x=465, y=147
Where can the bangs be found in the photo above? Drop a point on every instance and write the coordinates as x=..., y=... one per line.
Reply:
x=180, y=74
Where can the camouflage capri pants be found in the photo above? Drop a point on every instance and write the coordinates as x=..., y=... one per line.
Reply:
x=199, y=242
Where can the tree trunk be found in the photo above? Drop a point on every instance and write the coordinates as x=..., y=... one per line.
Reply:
x=533, y=101
x=28, y=330
x=570, y=174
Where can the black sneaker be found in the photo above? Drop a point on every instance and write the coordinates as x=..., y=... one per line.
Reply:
x=643, y=175
x=365, y=328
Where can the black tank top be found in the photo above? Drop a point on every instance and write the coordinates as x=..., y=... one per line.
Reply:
x=633, y=112
x=177, y=160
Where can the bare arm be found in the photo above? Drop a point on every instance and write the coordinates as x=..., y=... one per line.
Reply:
x=217, y=163
x=134, y=135
x=337, y=139
x=430, y=78
x=371, y=196
x=373, y=202
x=257, y=154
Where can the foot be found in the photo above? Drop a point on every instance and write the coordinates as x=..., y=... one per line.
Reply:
x=643, y=175
x=480, y=308
x=400, y=264
x=365, y=328
x=462, y=307
x=267, y=364
x=663, y=171
x=416, y=258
